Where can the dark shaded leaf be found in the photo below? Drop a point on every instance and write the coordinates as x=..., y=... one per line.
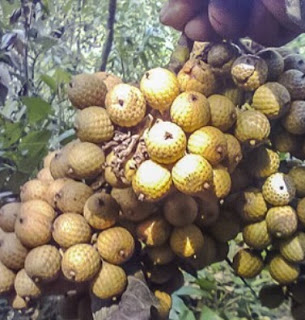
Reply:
x=11, y=133
x=37, y=109
x=16, y=180
x=15, y=16
x=3, y=93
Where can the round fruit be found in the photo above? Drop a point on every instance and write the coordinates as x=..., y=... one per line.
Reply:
x=271, y=296
x=26, y=287
x=294, y=81
x=293, y=249
x=160, y=255
x=53, y=189
x=297, y=291
x=294, y=121
x=221, y=181
x=33, y=190
x=45, y=175
x=8, y=215
x=165, y=304
x=285, y=142
x=7, y=278
x=247, y=264
x=256, y=235
x=159, y=275
x=282, y=271
x=295, y=61
x=48, y=158
x=301, y=210
x=297, y=174
x=109, y=79
x=234, y=153
x=208, y=209
x=298, y=311
x=111, y=176
x=18, y=303
x=235, y=94
x=275, y=62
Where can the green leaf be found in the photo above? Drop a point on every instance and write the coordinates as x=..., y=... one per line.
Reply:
x=67, y=6
x=61, y=76
x=206, y=285
x=16, y=180
x=12, y=133
x=191, y=291
x=49, y=81
x=188, y=315
x=38, y=109
x=209, y=314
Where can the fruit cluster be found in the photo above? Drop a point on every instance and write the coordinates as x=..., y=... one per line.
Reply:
x=165, y=174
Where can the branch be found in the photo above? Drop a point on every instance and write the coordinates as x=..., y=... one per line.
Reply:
x=109, y=38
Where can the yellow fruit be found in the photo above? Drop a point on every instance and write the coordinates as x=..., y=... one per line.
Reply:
x=249, y=72
x=86, y=90
x=110, y=281
x=165, y=304
x=33, y=190
x=151, y=181
x=160, y=88
x=7, y=278
x=234, y=153
x=256, y=235
x=48, y=158
x=282, y=271
x=197, y=75
x=278, y=189
x=221, y=181
x=180, y=209
x=282, y=221
x=8, y=215
x=80, y=262
x=235, y=94
x=54, y=188
x=247, y=264
x=275, y=62
x=271, y=296
x=208, y=142
x=109, y=79
x=43, y=263
x=45, y=175
x=160, y=255
x=165, y=142
x=25, y=287
x=125, y=105
x=186, y=241
x=294, y=82
x=223, y=113
x=293, y=249
x=252, y=127
x=301, y=210
x=294, y=121
x=17, y=303
x=191, y=111
x=69, y=229
x=297, y=174
x=192, y=174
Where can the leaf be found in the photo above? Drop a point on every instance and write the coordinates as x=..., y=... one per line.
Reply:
x=206, y=285
x=209, y=314
x=49, y=81
x=61, y=76
x=12, y=133
x=37, y=108
x=191, y=291
x=3, y=93
x=67, y=6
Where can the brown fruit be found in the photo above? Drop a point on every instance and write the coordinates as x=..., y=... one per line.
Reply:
x=297, y=174
x=294, y=81
x=26, y=287
x=7, y=278
x=208, y=209
x=275, y=62
x=247, y=264
x=17, y=303
x=111, y=176
x=285, y=142
x=293, y=248
x=297, y=291
x=45, y=175
x=295, y=61
x=234, y=155
x=165, y=304
x=294, y=121
x=301, y=210
x=271, y=296
x=109, y=79
x=160, y=255
x=159, y=275
x=33, y=190
x=8, y=215
x=48, y=158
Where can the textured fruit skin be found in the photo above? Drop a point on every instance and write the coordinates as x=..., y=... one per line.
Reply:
x=109, y=79
x=186, y=241
x=293, y=249
x=86, y=90
x=165, y=304
x=294, y=82
x=110, y=281
x=69, y=229
x=271, y=296
x=208, y=142
x=234, y=93
x=294, y=121
x=160, y=88
x=282, y=271
x=110, y=175
x=285, y=142
x=301, y=210
x=7, y=278
x=125, y=105
x=45, y=175
x=93, y=125
x=281, y=221
x=43, y=263
x=180, y=209
x=25, y=287
x=80, y=262
x=48, y=158
x=247, y=264
x=160, y=255
x=297, y=174
x=272, y=99
x=119, y=251
x=54, y=188
x=151, y=181
x=192, y=174
x=8, y=215
x=234, y=153
x=191, y=111
x=295, y=61
x=252, y=126
x=153, y=231
x=17, y=303
x=198, y=76
x=256, y=235
x=275, y=63
x=278, y=189
x=165, y=142
x=249, y=72
x=223, y=113
x=221, y=181
x=33, y=190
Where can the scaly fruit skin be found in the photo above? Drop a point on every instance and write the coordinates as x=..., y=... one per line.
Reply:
x=297, y=174
x=256, y=235
x=160, y=255
x=249, y=72
x=110, y=281
x=294, y=82
x=275, y=63
x=165, y=142
x=93, y=125
x=282, y=221
x=8, y=215
x=293, y=249
x=252, y=127
x=192, y=174
x=33, y=190
x=271, y=296
x=295, y=61
x=191, y=111
x=7, y=278
x=80, y=262
x=86, y=90
x=234, y=154
x=54, y=188
x=151, y=181
x=43, y=263
x=301, y=210
x=109, y=79
x=294, y=121
x=223, y=113
x=278, y=189
x=272, y=99
x=247, y=264
x=186, y=241
x=284, y=141
x=69, y=229
x=125, y=105
x=282, y=271
x=235, y=94
x=210, y=143
x=160, y=88
x=221, y=181
x=119, y=251
x=25, y=287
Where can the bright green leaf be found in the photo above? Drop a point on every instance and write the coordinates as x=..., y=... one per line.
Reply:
x=61, y=76
x=49, y=81
x=206, y=284
x=37, y=109
x=209, y=314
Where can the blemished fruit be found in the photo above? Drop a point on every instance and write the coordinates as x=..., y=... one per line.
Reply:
x=275, y=63
x=80, y=262
x=294, y=82
x=160, y=255
x=279, y=189
x=297, y=174
x=43, y=263
x=119, y=251
x=282, y=271
x=160, y=88
x=271, y=296
x=110, y=175
x=294, y=121
x=285, y=142
x=7, y=278
x=125, y=105
x=191, y=111
x=93, y=125
x=26, y=287
x=86, y=90
x=33, y=190
x=110, y=281
x=234, y=153
x=234, y=93
x=221, y=181
x=8, y=215
x=54, y=188
x=109, y=79
x=45, y=175
x=247, y=264
x=208, y=142
x=295, y=61
x=293, y=249
x=69, y=229
x=256, y=235
x=186, y=241
x=192, y=174
x=165, y=304
x=301, y=210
